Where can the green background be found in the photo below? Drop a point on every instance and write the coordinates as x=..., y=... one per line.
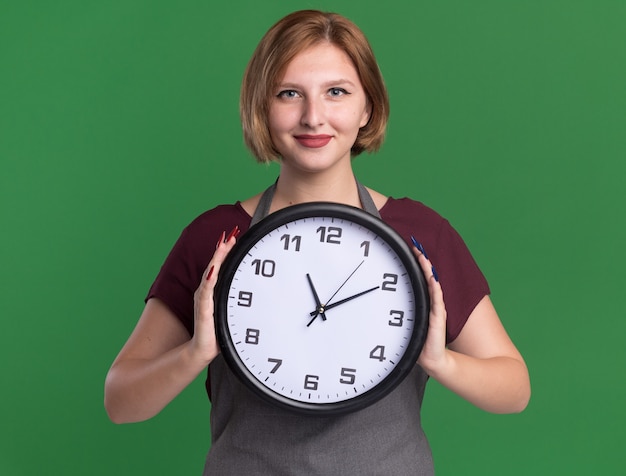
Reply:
x=119, y=124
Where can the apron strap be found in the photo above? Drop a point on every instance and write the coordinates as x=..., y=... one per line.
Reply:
x=366, y=200
x=263, y=208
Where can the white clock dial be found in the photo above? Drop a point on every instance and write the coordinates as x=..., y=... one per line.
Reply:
x=320, y=310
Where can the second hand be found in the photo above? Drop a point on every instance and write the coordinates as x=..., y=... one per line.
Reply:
x=334, y=294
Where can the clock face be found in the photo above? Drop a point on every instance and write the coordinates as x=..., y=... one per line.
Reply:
x=321, y=308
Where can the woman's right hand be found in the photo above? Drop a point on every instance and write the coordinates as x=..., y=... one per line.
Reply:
x=159, y=358
x=204, y=341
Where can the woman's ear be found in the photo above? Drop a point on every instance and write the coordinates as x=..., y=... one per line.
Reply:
x=367, y=113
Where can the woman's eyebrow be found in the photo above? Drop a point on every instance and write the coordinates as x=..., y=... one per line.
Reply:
x=337, y=82
x=325, y=84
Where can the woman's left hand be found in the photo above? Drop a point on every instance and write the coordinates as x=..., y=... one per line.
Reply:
x=433, y=354
x=481, y=365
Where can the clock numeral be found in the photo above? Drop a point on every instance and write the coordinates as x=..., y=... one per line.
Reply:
x=277, y=362
x=331, y=234
x=397, y=318
x=389, y=282
x=288, y=239
x=252, y=336
x=245, y=299
x=311, y=382
x=366, y=248
x=349, y=376
x=378, y=353
x=265, y=268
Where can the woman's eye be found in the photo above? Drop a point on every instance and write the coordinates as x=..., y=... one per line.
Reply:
x=288, y=94
x=336, y=92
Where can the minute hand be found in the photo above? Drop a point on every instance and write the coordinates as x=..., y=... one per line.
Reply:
x=343, y=301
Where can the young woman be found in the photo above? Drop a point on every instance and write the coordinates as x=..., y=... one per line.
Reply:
x=312, y=99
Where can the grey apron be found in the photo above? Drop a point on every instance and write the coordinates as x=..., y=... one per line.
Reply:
x=252, y=437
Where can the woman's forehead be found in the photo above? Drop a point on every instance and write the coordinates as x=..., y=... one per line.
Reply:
x=322, y=62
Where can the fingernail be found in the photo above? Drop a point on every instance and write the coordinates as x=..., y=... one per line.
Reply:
x=232, y=234
x=435, y=275
x=210, y=273
x=419, y=246
x=221, y=240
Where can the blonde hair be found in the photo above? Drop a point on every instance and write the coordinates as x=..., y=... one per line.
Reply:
x=289, y=36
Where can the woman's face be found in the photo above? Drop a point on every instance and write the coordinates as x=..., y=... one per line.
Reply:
x=317, y=109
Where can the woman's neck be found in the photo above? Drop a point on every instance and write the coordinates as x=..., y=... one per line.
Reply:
x=291, y=190
x=332, y=189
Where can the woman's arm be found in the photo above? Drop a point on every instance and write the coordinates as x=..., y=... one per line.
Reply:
x=482, y=365
x=160, y=358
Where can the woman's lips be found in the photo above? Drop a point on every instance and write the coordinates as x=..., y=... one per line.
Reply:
x=313, y=141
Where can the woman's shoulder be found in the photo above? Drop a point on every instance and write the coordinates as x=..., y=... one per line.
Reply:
x=390, y=206
x=379, y=199
x=249, y=204
x=217, y=219
x=412, y=218
x=405, y=208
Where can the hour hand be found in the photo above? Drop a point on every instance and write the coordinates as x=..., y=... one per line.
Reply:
x=319, y=308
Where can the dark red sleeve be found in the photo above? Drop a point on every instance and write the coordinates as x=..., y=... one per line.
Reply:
x=180, y=274
x=462, y=281
x=464, y=285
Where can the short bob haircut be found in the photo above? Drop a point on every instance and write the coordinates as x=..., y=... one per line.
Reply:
x=291, y=35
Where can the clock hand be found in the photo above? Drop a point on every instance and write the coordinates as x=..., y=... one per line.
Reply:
x=343, y=284
x=320, y=309
x=343, y=301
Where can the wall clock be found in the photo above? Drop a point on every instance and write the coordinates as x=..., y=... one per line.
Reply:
x=321, y=308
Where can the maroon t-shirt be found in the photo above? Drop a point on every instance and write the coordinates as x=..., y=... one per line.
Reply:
x=462, y=281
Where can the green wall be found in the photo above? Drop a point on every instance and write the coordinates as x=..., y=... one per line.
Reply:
x=119, y=124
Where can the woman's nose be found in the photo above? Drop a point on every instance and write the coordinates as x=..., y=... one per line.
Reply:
x=313, y=112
